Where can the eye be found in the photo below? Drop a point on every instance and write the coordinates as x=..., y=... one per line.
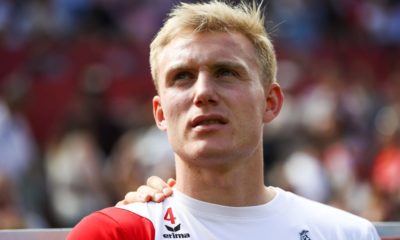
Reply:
x=226, y=72
x=183, y=76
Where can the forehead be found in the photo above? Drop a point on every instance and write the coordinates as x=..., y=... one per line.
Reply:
x=207, y=48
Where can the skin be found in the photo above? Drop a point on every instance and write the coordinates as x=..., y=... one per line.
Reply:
x=213, y=106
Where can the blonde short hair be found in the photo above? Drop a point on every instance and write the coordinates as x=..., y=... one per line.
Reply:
x=217, y=16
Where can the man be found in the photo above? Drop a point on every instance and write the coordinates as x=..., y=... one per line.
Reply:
x=214, y=68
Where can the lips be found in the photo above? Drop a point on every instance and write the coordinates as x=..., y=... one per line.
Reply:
x=207, y=120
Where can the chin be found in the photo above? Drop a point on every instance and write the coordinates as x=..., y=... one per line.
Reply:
x=209, y=157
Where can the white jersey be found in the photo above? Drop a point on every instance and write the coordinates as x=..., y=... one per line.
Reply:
x=287, y=216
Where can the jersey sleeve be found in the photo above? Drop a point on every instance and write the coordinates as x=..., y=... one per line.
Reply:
x=113, y=223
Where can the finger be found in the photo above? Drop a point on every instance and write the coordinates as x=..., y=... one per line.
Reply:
x=132, y=197
x=156, y=183
x=168, y=190
x=171, y=182
x=164, y=190
x=149, y=192
x=152, y=194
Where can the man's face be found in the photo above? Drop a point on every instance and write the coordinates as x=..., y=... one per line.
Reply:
x=211, y=100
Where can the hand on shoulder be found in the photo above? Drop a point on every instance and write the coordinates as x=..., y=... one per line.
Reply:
x=156, y=190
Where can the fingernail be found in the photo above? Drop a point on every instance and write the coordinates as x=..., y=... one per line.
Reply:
x=158, y=196
x=166, y=191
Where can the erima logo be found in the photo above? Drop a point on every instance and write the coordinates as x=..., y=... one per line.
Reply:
x=304, y=235
x=173, y=229
x=175, y=235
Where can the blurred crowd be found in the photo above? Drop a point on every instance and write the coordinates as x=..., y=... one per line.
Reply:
x=76, y=126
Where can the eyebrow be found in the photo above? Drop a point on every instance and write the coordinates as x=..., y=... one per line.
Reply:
x=178, y=67
x=216, y=65
x=229, y=64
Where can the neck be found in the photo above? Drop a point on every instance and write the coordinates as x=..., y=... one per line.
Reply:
x=241, y=184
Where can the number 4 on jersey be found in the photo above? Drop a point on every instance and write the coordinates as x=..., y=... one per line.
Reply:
x=169, y=216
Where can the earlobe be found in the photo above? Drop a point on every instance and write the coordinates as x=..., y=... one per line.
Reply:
x=274, y=102
x=158, y=114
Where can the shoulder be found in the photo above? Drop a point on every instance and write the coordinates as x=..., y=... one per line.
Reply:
x=329, y=219
x=113, y=223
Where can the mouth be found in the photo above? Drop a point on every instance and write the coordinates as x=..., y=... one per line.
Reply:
x=208, y=120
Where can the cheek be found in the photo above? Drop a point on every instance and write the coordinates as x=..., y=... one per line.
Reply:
x=173, y=110
x=175, y=115
x=251, y=101
x=253, y=111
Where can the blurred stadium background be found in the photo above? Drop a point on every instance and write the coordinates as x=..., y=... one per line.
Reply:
x=76, y=128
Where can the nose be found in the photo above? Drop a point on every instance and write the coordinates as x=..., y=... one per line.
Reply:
x=204, y=90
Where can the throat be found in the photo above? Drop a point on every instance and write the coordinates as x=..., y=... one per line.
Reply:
x=223, y=187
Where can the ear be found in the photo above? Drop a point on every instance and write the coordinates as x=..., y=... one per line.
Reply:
x=274, y=101
x=158, y=114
